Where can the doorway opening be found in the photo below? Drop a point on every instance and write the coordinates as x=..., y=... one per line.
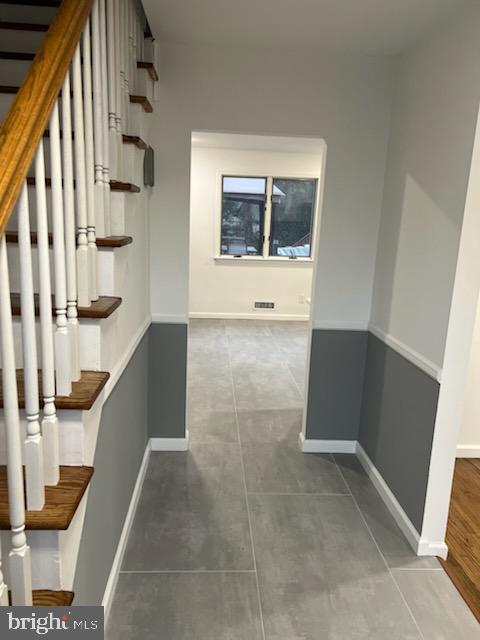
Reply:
x=255, y=213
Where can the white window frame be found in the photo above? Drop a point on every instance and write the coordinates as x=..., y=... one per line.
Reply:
x=218, y=257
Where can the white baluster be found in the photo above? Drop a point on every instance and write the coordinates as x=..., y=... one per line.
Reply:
x=89, y=159
x=105, y=115
x=126, y=67
x=33, y=447
x=121, y=50
x=19, y=557
x=132, y=47
x=112, y=89
x=119, y=116
x=70, y=232
x=83, y=255
x=63, y=368
x=3, y=587
x=140, y=39
x=49, y=421
x=98, y=120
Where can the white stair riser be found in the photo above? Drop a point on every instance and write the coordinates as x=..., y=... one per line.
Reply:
x=16, y=40
x=45, y=554
x=71, y=434
x=90, y=343
x=132, y=158
x=137, y=123
x=105, y=266
x=117, y=212
x=13, y=71
x=36, y=15
x=143, y=85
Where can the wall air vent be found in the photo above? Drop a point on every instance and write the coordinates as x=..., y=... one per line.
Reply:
x=264, y=305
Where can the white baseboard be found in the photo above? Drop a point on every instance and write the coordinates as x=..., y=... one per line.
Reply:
x=169, y=444
x=117, y=561
x=389, y=499
x=249, y=316
x=468, y=451
x=428, y=548
x=326, y=446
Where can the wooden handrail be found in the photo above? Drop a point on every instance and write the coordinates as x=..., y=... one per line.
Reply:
x=28, y=117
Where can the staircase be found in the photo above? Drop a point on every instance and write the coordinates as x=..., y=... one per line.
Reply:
x=76, y=86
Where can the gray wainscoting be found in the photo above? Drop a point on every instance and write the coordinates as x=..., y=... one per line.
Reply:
x=121, y=444
x=167, y=380
x=397, y=422
x=361, y=389
x=337, y=365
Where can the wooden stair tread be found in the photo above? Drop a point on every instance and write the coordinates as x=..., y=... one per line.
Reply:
x=111, y=242
x=8, y=89
x=115, y=185
x=114, y=241
x=150, y=67
x=61, y=501
x=84, y=392
x=49, y=598
x=134, y=99
x=22, y=26
x=100, y=309
x=16, y=55
x=136, y=140
x=143, y=100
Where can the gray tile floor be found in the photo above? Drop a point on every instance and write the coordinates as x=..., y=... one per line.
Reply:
x=245, y=538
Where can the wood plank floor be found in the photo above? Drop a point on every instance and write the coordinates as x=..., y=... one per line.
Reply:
x=463, y=533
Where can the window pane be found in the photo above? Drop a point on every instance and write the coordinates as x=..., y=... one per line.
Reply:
x=292, y=217
x=243, y=212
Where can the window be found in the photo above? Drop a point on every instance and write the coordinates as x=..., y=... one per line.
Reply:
x=267, y=217
x=292, y=218
x=243, y=216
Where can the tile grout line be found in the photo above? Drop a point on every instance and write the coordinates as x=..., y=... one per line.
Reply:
x=245, y=490
x=315, y=494
x=187, y=571
x=302, y=393
x=380, y=552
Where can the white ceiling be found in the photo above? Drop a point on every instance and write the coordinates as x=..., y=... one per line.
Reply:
x=384, y=27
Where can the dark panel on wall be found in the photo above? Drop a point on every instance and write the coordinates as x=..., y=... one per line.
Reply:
x=167, y=380
x=122, y=439
x=397, y=422
x=337, y=366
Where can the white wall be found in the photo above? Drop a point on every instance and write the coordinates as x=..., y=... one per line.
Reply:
x=433, y=123
x=469, y=440
x=228, y=287
x=343, y=99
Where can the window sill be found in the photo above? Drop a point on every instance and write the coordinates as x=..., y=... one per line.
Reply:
x=277, y=259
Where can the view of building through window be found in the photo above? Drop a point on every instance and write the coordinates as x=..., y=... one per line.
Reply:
x=243, y=215
x=292, y=217
x=267, y=216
